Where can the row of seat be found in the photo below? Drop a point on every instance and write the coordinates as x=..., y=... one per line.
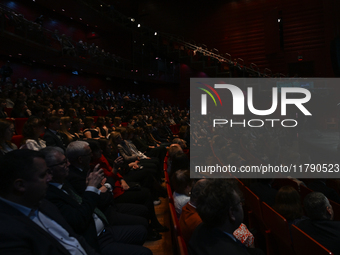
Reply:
x=179, y=245
x=279, y=236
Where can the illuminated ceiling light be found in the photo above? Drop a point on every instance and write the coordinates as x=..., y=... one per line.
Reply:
x=132, y=19
x=19, y=54
x=62, y=10
x=71, y=18
x=278, y=20
x=80, y=19
x=101, y=5
x=156, y=57
x=10, y=56
x=138, y=25
x=155, y=33
x=64, y=65
x=136, y=71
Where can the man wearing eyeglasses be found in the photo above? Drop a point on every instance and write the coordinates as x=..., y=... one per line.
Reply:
x=83, y=215
x=28, y=223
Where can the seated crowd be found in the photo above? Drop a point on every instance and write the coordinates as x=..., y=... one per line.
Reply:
x=91, y=182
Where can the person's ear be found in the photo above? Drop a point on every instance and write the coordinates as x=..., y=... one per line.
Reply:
x=19, y=185
x=330, y=212
x=231, y=214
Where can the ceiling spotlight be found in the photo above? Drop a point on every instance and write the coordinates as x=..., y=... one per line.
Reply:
x=138, y=25
x=132, y=19
x=278, y=20
x=155, y=33
x=80, y=19
x=62, y=10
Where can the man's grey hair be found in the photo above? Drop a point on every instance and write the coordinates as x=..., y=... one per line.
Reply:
x=75, y=149
x=50, y=153
x=316, y=205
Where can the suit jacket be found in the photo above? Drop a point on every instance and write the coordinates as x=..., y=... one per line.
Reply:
x=52, y=139
x=77, y=180
x=20, y=235
x=205, y=241
x=326, y=232
x=78, y=216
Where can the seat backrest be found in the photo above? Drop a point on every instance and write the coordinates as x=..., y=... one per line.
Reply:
x=174, y=220
x=277, y=224
x=182, y=247
x=16, y=139
x=305, y=245
x=170, y=195
x=19, y=124
x=253, y=202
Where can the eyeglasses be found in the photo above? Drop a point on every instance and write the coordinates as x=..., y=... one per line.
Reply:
x=62, y=164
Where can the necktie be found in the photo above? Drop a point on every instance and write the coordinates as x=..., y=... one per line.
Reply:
x=78, y=198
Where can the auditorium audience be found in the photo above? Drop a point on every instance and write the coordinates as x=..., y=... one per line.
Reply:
x=31, y=224
x=83, y=215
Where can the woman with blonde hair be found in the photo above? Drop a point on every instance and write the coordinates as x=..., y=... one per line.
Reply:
x=65, y=127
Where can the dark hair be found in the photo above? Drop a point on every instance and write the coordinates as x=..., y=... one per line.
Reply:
x=214, y=202
x=179, y=161
x=181, y=180
x=100, y=122
x=94, y=145
x=88, y=122
x=17, y=164
x=52, y=119
x=197, y=189
x=30, y=124
x=288, y=203
x=316, y=204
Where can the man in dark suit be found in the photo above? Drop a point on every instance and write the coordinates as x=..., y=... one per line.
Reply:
x=83, y=216
x=220, y=209
x=29, y=224
x=51, y=136
x=320, y=225
x=79, y=154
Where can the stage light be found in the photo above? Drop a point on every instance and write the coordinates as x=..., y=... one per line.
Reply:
x=138, y=25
